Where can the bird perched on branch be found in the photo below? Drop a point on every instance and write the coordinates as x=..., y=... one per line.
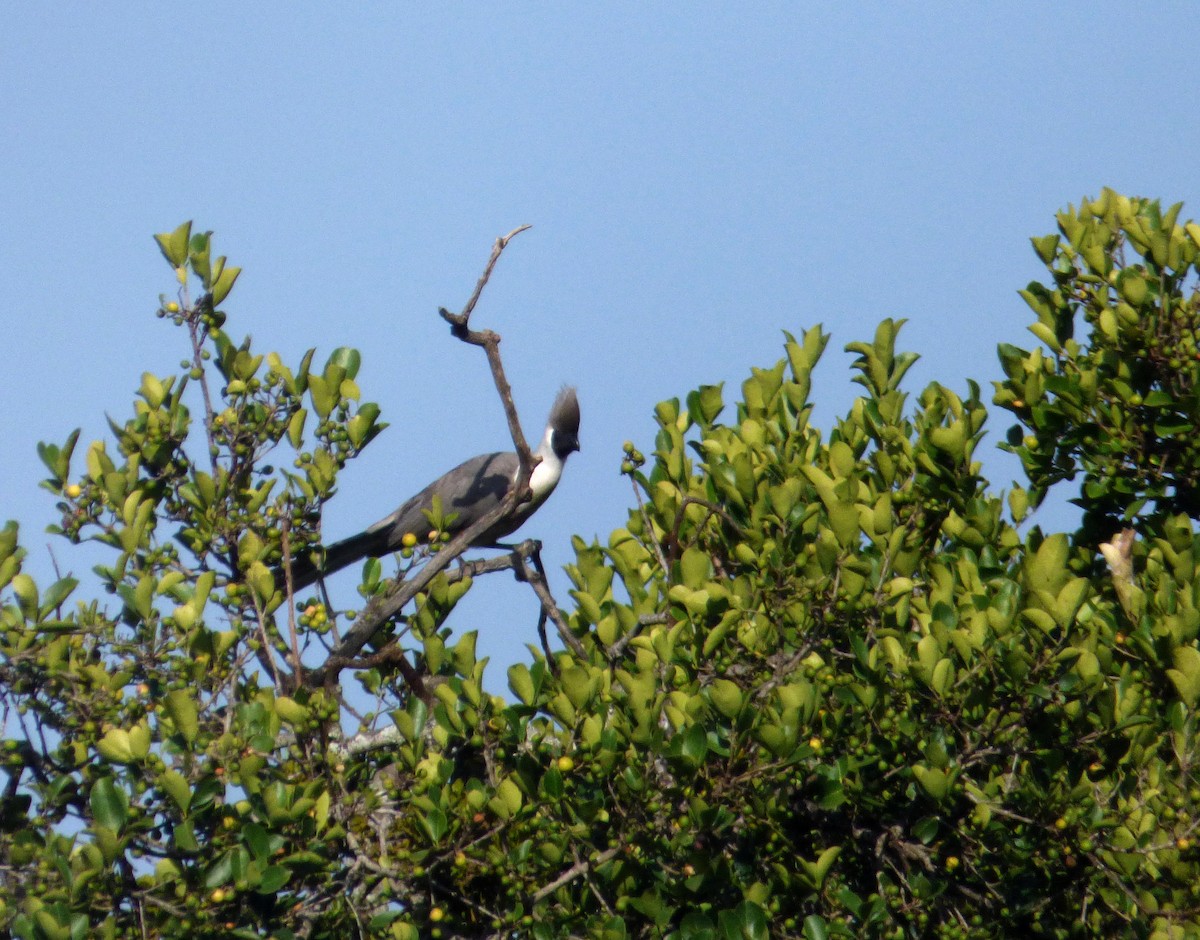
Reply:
x=469, y=491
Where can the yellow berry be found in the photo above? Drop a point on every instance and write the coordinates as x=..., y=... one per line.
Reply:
x=409, y=540
x=437, y=914
x=566, y=764
x=171, y=307
x=217, y=896
x=72, y=490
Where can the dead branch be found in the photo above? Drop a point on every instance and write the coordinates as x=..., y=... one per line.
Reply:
x=537, y=580
x=383, y=608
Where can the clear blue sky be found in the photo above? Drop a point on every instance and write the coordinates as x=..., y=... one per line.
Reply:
x=699, y=178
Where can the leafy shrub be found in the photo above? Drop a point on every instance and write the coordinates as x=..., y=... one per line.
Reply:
x=829, y=689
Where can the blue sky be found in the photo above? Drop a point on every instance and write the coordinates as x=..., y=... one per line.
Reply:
x=699, y=179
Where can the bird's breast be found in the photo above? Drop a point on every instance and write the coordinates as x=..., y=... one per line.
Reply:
x=544, y=478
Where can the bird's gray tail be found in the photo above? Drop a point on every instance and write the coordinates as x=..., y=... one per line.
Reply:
x=306, y=570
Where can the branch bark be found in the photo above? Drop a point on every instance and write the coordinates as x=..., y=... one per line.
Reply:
x=387, y=606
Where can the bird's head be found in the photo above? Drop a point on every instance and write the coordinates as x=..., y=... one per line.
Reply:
x=563, y=424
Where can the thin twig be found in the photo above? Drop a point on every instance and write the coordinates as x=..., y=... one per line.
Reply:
x=286, y=544
x=460, y=327
x=265, y=657
x=648, y=527
x=497, y=250
x=537, y=581
x=574, y=872
x=198, y=333
x=382, y=609
x=645, y=620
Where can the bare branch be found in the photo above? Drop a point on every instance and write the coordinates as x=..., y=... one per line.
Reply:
x=579, y=868
x=286, y=545
x=383, y=608
x=490, y=342
x=461, y=320
x=537, y=580
x=645, y=620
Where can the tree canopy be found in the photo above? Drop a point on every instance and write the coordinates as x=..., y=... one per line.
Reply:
x=816, y=684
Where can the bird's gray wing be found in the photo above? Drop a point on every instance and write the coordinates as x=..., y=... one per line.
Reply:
x=469, y=491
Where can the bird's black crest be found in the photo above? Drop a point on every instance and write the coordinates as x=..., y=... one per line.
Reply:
x=564, y=416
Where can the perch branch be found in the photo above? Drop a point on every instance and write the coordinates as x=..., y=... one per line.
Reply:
x=383, y=608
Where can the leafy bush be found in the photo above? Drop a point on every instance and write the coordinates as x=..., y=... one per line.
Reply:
x=828, y=688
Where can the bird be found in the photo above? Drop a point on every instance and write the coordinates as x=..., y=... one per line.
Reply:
x=469, y=491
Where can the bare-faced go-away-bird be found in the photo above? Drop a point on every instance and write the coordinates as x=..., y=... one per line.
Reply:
x=466, y=493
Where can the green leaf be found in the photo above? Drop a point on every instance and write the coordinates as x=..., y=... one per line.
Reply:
x=115, y=747
x=435, y=824
x=198, y=254
x=295, y=430
x=58, y=592
x=1046, y=247
x=291, y=711
x=1046, y=335
x=25, y=588
x=508, y=794
x=257, y=840
x=1048, y=566
x=935, y=783
x=695, y=568
x=259, y=577
x=185, y=837
x=347, y=359
x=696, y=926
x=178, y=788
x=577, y=684
x=322, y=395
x=814, y=873
x=726, y=697
x=926, y=829
x=174, y=245
x=224, y=284
x=181, y=708
x=694, y=744
x=843, y=519
x=220, y=871
x=1186, y=674
x=705, y=404
x=814, y=928
x=110, y=804
x=747, y=921
x=273, y=878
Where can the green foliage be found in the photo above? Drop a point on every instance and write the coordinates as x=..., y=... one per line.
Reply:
x=1120, y=407
x=830, y=689
x=161, y=765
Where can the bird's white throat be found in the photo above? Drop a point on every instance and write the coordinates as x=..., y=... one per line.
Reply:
x=545, y=474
